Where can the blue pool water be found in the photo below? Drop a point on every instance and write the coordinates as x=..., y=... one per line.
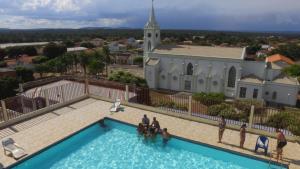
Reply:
x=119, y=147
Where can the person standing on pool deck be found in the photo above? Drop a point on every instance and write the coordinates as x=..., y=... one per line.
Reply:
x=145, y=121
x=243, y=135
x=222, y=125
x=281, y=142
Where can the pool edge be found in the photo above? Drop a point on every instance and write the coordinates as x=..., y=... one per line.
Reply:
x=126, y=123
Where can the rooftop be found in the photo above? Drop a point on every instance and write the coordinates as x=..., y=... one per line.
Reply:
x=283, y=79
x=252, y=79
x=75, y=49
x=278, y=57
x=201, y=51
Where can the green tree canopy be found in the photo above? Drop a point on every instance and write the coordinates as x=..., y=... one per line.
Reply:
x=8, y=87
x=24, y=74
x=52, y=50
x=87, y=45
x=293, y=70
x=30, y=50
x=2, y=54
x=39, y=59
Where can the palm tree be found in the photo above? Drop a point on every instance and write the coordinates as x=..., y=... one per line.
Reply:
x=106, y=53
x=84, y=59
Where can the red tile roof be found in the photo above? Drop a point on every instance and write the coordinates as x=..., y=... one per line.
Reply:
x=278, y=57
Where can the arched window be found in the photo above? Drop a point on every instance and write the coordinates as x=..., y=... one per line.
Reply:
x=149, y=46
x=231, y=77
x=189, y=70
x=274, y=95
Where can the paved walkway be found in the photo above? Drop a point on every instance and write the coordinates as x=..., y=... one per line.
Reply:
x=70, y=119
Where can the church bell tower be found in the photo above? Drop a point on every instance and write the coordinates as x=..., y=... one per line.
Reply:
x=151, y=33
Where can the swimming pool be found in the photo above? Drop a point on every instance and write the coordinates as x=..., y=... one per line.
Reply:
x=119, y=147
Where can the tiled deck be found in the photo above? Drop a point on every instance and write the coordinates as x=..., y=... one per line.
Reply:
x=45, y=130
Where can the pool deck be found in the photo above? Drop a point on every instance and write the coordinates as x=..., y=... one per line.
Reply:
x=35, y=134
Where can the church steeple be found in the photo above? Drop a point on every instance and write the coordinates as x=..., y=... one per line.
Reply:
x=151, y=33
x=152, y=20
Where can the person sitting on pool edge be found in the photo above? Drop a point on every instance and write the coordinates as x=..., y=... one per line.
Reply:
x=165, y=135
x=155, y=127
x=145, y=121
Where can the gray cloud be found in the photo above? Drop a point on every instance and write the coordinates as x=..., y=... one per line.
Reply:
x=192, y=14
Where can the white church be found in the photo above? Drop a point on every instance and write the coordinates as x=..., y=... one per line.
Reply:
x=213, y=70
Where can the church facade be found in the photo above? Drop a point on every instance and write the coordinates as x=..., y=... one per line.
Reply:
x=206, y=69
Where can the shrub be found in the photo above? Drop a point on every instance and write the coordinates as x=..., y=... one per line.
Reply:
x=125, y=77
x=138, y=61
x=209, y=98
x=39, y=59
x=3, y=64
x=286, y=120
x=245, y=106
x=170, y=104
x=227, y=111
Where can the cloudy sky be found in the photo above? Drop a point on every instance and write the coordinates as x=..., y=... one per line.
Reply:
x=245, y=15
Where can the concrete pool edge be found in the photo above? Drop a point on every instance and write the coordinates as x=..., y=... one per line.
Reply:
x=50, y=146
x=133, y=125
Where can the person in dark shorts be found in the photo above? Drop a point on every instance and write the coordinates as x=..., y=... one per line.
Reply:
x=165, y=136
x=222, y=125
x=145, y=121
x=281, y=142
x=243, y=135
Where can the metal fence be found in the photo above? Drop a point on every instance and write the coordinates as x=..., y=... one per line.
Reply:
x=235, y=113
x=39, y=98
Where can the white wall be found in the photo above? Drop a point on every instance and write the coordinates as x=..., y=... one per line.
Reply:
x=256, y=68
x=212, y=72
x=250, y=88
x=286, y=94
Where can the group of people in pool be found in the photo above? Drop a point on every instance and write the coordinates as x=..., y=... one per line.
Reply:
x=281, y=140
x=151, y=130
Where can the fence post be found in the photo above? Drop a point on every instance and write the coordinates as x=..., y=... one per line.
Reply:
x=87, y=89
x=127, y=93
x=62, y=94
x=46, y=94
x=4, y=110
x=251, y=117
x=190, y=105
x=21, y=88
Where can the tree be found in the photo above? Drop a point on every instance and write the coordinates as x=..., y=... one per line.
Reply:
x=84, y=59
x=30, y=51
x=39, y=59
x=252, y=49
x=2, y=54
x=14, y=52
x=8, y=87
x=126, y=77
x=3, y=64
x=69, y=43
x=107, y=59
x=293, y=70
x=41, y=68
x=24, y=74
x=138, y=61
x=87, y=45
x=52, y=50
x=96, y=66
